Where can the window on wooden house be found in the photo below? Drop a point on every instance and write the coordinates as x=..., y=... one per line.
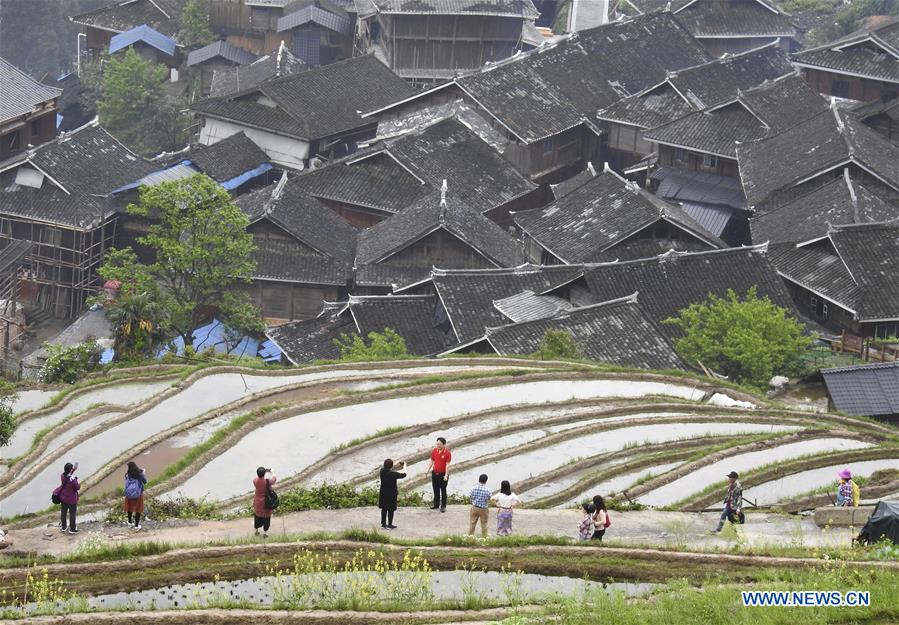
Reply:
x=839, y=88
x=643, y=146
x=680, y=155
x=886, y=330
x=709, y=161
x=627, y=138
x=14, y=142
x=813, y=303
x=548, y=145
x=825, y=311
x=51, y=236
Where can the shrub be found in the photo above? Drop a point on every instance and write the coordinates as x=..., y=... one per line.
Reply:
x=176, y=508
x=7, y=418
x=749, y=339
x=67, y=364
x=557, y=345
x=386, y=345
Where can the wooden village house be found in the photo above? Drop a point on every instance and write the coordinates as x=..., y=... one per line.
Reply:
x=28, y=111
x=58, y=196
x=428, y=42
x=298, y=118
x=863, y=65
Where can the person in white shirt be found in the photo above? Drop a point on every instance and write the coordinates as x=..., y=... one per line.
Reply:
x=505, y=500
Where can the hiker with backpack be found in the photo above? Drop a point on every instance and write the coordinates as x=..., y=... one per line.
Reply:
x=264, y=500
x=601, y=518
x=848, y=492
x=733, y=502
x=135, y=481
x=66, y=494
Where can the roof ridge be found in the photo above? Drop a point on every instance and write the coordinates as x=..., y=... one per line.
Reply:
x=564, y=313
x=676, y=254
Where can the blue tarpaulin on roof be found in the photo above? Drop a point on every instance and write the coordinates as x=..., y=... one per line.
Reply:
x=221, y=338
x=145, y=34
x=236, y=181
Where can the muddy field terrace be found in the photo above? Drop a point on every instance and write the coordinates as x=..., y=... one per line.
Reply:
x=657, y=445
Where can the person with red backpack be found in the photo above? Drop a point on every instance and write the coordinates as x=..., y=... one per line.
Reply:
x=135, y=481
x=601, y=520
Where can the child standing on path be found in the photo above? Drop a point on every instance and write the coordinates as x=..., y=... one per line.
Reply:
x=586, y=527
x=135, y=480
x=438, y=467
x=505, y=500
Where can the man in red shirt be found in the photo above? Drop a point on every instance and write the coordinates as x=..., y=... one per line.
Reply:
x=439, y=470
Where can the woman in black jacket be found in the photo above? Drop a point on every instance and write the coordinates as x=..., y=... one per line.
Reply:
x=388, y=493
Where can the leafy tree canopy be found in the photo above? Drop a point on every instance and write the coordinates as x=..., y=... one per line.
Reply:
x=202, y=253
x=386, y=345
x=557, y=345
x=749, y=339
x=133, y=106
x=195, y=30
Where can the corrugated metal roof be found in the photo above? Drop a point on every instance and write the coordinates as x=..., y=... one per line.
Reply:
x=20, y=93
x=694, y=186
x=221, y=49
x=864, y=390
x=712, y=218
x=177, y=172
x=144, y=33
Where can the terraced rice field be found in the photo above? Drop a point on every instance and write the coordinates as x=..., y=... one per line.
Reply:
x=559, y=435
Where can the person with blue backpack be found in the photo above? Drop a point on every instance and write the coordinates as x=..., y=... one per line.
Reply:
x=135, y=480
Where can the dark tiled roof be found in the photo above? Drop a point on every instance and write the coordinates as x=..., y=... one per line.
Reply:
x=866, y=110
x=784, y=102
x=510, y=8
x=713, y=132
x=20, y=93
x=376, y=182
x=529, y=106
x=869, y=52
x=647, y=110
x=313, y=339
x=528, y=306
x=819, y=144
x=719, y=80
x=838, y=202
x=320, y=12
x=383, y=240
x=236, y=79
x=871, y=252
x=469, y=295
x=317, y=103
x=565, y=187
x=228, y=158
x=161, y=15
x=328, y=242
x=769, y=108
x=721, y=19
x=544, y=92
x=88, y=163
x=818, y=268
x=605, y=211
x=864, y=390
x=410, y=316
x=220, y=49
x=702, y=86
x=475, y=172
x=673, y=281
x=613, y=332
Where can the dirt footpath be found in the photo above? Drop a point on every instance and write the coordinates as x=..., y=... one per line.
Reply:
x=637, y=528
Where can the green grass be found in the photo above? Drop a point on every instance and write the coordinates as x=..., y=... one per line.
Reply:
x=717, y=600
x=364, y=439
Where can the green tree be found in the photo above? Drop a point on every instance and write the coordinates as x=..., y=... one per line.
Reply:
x=202, y=254
x=67, y=364
x=386, y=345
x=139, y=313
x=134, y=108
x=748, y=339
x=557, y=345
x=7, y=418
x=195, y=25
